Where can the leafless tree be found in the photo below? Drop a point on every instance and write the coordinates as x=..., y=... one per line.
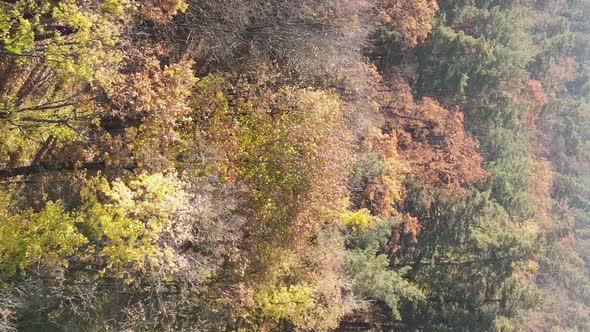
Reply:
x=307, y=37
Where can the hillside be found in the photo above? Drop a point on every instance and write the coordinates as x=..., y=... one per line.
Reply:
x=295, y=165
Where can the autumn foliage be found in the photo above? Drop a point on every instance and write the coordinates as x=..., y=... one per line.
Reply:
x=411, y=19
x=294, y=165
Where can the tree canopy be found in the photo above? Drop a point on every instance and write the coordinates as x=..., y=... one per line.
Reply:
x=301, y=165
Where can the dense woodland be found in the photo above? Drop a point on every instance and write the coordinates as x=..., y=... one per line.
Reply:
x=295, y=165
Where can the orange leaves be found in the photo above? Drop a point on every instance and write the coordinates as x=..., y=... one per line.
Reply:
x=378, y=175
x=534, y=92
x=421, y=145
x=443, y=152
x=541, y=187
x=411, y=18
x=433, y=143
x=568, y=240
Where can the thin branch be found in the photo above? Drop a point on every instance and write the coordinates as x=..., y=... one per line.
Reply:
x=47, y=167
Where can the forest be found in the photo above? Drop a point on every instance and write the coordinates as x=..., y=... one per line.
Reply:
x=295, y=165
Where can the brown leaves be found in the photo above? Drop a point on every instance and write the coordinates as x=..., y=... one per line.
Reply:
x=152, y=88
x=533, y=91
x=143, y=113
x=289, y=147
x=438, y=149
x=421, y=145
x=558, y=73
x=381, y=189
x=432, y=142
x=409, y=226
x=162, y=11
x=411, y=18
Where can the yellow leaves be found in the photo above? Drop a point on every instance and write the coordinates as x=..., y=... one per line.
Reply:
x=131, y=223
x=69, y=13
x=284, y=302
x=380, y=174
x=358, y=220
x=21, y=39
x=114, y=7
x=43, y=239
x=288, y=145
x=162, y=11
x=120, y=229
x=310, y=293
x=289, y=148
x=52, y=235
x=82, y=48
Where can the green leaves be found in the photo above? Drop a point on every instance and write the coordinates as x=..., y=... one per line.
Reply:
x=286, y=303
x=118, y=228
x=369, y=266
x=16, y=33
x=288, y=146
x=128, y=226
x=181, y=165
x=43, y=240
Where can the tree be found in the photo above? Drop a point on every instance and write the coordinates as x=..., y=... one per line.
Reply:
x=289, y=148
x=472, y=243
x=369, y=267
x=412, y=20
x=310, y=40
